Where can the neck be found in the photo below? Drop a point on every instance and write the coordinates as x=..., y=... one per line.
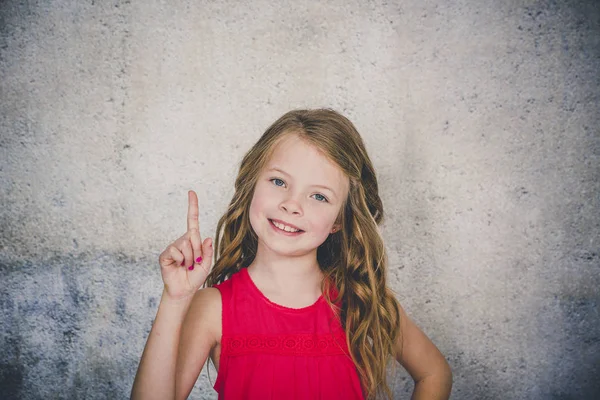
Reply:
x=286, y=275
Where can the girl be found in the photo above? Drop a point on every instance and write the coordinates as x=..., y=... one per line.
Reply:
x=296, y=305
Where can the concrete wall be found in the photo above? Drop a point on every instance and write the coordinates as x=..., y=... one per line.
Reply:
x=482, y=119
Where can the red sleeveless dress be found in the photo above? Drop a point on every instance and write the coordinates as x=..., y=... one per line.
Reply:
x=272, y=352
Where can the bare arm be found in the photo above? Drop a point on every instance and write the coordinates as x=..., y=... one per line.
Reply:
x=155, y=378
x=424, y=362
x=184, y=266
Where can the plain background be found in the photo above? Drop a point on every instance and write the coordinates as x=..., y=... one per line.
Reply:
x=481, y=117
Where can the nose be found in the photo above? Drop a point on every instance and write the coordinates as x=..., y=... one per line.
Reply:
x=291, y=206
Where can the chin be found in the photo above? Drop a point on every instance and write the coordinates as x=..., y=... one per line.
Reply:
x=289, y=249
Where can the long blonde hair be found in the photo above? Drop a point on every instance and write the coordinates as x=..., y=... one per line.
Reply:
x=353, y=259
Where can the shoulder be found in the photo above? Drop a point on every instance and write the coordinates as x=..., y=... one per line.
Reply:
x=210, y=296
x=204, y=314
x=229, y=286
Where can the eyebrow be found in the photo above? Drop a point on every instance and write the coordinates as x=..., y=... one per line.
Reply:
x=318, y=186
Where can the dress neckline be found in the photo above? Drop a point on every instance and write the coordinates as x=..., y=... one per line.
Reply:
x=246, y=275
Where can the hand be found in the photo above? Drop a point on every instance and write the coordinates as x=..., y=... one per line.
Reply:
x=185, y=263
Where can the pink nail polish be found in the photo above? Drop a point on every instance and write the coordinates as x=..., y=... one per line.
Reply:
x=183, y=263
x=199, y=259
x=191, y=267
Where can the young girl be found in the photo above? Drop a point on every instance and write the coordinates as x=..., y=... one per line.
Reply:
x=296, y=305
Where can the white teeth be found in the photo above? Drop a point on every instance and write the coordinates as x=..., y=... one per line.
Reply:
x=284, y=227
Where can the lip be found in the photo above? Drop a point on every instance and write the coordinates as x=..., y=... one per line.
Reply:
x=285, y=223
x=284, y=232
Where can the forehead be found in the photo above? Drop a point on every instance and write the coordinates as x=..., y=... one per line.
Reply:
x=302, y=160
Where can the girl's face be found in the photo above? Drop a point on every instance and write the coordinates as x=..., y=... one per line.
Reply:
x=297, y=198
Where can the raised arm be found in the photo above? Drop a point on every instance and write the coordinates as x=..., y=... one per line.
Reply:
x=423, y=361
x=185, y=264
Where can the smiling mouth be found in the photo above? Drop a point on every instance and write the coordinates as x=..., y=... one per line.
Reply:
x=285, y=228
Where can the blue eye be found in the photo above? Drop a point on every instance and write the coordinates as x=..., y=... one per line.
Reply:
x=324, y=199
x=276, y=180
x=281, y=183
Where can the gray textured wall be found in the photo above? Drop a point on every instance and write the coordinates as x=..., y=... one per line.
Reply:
x=482, y=119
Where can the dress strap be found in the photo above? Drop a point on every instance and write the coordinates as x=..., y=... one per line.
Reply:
x=226, y=293
x=226, y=303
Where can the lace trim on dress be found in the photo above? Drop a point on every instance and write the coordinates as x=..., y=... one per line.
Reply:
x=297, y=344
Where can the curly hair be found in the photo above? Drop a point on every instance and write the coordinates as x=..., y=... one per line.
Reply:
x=352, y=259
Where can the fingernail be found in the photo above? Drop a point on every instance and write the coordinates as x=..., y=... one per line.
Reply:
x=183, y=263
x=199, y=259
x=191, y=267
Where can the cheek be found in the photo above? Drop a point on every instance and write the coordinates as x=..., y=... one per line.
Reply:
x=253, y=215
x=255, y=208
x=261, y=201
x=323, y=221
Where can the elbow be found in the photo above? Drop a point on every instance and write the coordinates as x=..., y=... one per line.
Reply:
x=448, y=378
x=445, y=378
x=446, y=370
x=436, y=385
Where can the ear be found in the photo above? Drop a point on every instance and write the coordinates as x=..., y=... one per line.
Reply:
x=335, y=228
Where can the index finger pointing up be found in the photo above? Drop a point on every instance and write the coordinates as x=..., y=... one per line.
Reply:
x=192, y=217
